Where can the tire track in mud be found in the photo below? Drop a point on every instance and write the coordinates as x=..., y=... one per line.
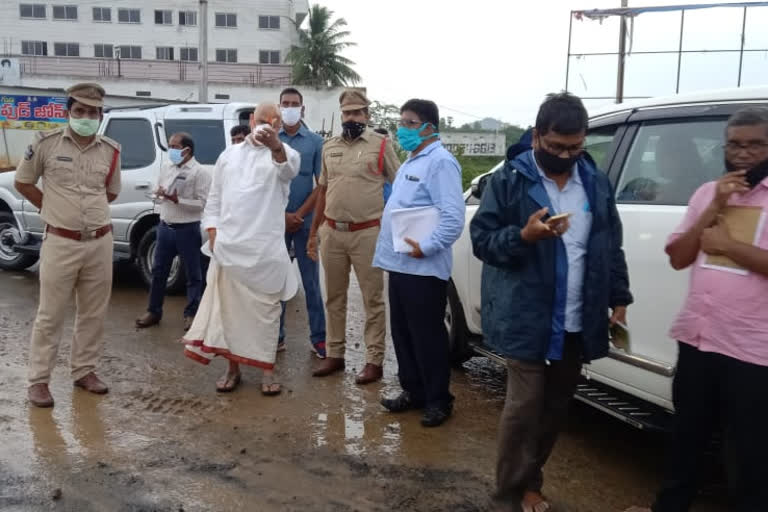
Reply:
x=147, y=400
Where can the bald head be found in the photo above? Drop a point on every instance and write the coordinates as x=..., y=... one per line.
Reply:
x=267, y=113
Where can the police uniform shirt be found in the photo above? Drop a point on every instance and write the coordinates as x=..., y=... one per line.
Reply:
x=74, y=178
x=351, y=173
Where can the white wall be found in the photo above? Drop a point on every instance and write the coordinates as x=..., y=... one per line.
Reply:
x=247, y=37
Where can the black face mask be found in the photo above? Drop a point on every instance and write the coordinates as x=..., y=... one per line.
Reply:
x=754, y=176
x=553, y=163
x=352, y=129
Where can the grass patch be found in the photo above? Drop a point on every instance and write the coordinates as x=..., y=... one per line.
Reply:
x=473, y=166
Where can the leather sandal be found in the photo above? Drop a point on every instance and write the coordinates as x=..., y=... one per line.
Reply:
x=228, y=383
x=269, y=386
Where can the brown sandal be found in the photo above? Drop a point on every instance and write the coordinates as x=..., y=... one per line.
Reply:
x=228, y=383
x=269, y=387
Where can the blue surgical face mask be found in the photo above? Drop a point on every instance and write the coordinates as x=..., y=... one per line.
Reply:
x=176, y=156
x=410, y=139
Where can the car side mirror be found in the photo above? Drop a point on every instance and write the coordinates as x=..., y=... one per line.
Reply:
x=477, y=188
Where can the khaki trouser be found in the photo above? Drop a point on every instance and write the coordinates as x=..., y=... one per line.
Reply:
x=68, y=266
x=534, y=412
x=338, y=251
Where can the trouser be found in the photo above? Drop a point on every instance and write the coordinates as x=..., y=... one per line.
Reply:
x=310, y=278
x=708, y=389
x=417, y=319
x=67, y=267
x=183, y=240
x=340, y=250
x=538, y=395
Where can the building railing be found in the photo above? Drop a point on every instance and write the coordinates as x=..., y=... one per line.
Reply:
x=139, y=69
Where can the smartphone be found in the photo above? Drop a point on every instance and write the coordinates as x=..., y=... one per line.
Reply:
x=757, y=174
x=558, y=218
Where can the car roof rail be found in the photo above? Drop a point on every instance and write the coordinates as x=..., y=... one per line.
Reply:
x=145, y=106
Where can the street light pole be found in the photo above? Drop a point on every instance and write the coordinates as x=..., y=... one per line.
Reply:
x=622, y=55
x=203, y=94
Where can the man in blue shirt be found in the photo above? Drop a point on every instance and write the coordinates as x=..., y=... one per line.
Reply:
x=298, y=213
x=418, y=279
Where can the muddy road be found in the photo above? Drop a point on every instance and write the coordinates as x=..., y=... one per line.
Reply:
x=164, y=440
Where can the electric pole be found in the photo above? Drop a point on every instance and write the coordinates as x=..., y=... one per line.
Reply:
x=203, y=94
x=622, y=55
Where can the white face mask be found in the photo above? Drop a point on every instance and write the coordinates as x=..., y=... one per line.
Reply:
x=291, y=115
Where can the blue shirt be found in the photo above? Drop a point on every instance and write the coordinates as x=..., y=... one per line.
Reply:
x=310, y=147
x=572, y=199
x=430, y=178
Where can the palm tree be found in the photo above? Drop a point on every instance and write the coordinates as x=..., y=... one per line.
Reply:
x=317, y=59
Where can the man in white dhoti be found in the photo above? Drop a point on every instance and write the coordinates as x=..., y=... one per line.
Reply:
x=250, y=271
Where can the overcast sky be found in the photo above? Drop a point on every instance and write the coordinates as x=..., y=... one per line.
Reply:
x=498, y=58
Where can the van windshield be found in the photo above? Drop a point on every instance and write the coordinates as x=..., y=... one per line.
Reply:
x=208, y=135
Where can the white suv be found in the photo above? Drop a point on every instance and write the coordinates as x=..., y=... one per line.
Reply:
x=142, y=133
x=656, y=153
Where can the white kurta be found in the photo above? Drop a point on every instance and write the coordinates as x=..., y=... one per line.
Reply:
x=250, y=271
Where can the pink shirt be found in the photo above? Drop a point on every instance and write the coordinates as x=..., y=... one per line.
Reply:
x=725, y=312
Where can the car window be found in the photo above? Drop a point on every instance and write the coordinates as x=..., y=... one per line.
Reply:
x=599, y=144
x=136, y=141
x=208, y=135
x=477, y=191
x=670, y=159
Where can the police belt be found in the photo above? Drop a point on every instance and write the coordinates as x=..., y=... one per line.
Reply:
x=351, y=226
x=80, y=236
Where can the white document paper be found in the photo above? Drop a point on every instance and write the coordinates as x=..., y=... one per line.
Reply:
x=414, y=223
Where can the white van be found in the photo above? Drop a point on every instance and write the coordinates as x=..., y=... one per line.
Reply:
x=143, y=133
x=656, y=153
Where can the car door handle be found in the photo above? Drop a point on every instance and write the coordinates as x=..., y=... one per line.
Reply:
x=142, y=186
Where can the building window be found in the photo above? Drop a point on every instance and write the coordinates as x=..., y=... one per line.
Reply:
x=143, y=93
x=189, y=54
x=222, y=96
x=164, y=53
x=163, y=17
x=65, y=12
x=129, y=15
x=270, y=22
x=188, y=18
x=269, y=57
x=103, y=14
x=129, y=52
x=103, y=51
x=32, y=11
x=226, y=55
x=66, y=49
x=34, y=48
x=226, y=20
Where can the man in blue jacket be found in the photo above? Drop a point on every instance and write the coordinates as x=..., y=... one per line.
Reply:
x=550, y=237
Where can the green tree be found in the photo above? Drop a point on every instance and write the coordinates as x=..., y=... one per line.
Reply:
x=317, y=59
x=384, y=115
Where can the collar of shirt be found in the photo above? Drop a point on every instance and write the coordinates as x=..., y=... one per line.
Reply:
x=574, y=178
x=189, y=164
x=302, y=131
x=426, y=151
x=363, y=137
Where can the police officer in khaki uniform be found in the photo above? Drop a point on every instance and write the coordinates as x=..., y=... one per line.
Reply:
x=81, y=176
x=349, y=205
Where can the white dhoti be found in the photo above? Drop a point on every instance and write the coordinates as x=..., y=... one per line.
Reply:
x=250, y=271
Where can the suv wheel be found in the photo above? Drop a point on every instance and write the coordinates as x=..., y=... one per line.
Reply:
x=10, y=235
x=457, y=328
x=145, y=257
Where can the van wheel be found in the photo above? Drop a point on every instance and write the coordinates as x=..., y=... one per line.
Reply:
x=457, y=328
x=145, y=257
x=10, y=235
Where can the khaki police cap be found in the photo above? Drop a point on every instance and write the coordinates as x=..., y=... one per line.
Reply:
x=88, y=94
x=353, y=100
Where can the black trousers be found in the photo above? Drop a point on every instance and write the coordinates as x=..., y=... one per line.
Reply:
x=710, y=391
x=417, y=314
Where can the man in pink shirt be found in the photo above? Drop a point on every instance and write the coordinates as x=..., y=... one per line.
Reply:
x=722, y=368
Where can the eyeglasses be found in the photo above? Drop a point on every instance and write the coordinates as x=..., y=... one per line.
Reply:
x=410, y=123
x=559, y=149
x=752, y=147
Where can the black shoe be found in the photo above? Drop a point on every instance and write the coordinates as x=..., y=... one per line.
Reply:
x=436, y=416
x=402, y=403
